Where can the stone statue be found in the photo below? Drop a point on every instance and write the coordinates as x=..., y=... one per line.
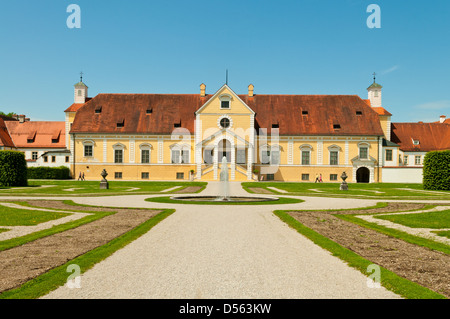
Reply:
x=344, y=185
x=104, y=183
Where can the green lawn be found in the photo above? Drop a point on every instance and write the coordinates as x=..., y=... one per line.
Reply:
x=443, y=233
x=25, y=217
x=362, y=190
x=72, y=187
x=435, y=220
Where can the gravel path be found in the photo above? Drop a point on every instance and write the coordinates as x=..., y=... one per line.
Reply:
x=222, y=252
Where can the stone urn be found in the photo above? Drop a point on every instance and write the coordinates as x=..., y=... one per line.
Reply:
x=344, y=185
x=104, y=183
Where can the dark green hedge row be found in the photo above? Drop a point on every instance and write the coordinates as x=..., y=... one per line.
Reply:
x=436, y=170
x=13, y=169
x=43, y=172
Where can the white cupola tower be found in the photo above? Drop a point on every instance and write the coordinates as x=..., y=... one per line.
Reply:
x=81, y=91
x=375, y=93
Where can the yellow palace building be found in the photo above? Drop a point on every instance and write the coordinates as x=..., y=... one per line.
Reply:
x=263, y=137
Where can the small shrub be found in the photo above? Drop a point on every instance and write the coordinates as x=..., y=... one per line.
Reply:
x=436, y=170
x=13, y=169
x=42, y=172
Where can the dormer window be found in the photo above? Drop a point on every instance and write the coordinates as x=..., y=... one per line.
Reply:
x=304, y=113
x=98, y=109
x=359, y=113
x=121, y=123
x=416, y=142
x=224, y=104
x=275, y=125
x=149, y=110
x=177, y=125
x=336, y=126
x=225, y=101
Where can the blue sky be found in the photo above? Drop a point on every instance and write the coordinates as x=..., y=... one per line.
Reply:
x=282, y=47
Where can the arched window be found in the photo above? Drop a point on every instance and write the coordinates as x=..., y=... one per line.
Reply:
x=333, y=151
x=88, y=148
x=270, y=154
x=145, y=153
x=225, y=101
x=180, y=154
x=363, y=150
x=118, y=152
x=305, y=152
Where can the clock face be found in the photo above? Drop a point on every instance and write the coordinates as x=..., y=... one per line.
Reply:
x=225, y=123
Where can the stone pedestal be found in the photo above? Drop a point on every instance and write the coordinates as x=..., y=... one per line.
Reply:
x=344, y=185
x=104, y=185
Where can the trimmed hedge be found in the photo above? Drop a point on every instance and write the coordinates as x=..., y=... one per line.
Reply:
x=42, y=172
x=436, y=170
x=13, y=169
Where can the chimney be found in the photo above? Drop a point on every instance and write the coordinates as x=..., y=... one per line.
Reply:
x=202, y=90
x=442, y=118
x=251, y=87
x=21, y=118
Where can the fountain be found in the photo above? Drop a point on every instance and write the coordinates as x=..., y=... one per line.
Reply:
x=224, y=191
x=224, y=181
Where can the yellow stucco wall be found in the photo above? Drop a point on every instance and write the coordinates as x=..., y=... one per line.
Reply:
x=161, y=168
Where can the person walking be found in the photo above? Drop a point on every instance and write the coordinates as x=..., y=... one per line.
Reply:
x=317, y=178
x=320, y=179
x=80, y=178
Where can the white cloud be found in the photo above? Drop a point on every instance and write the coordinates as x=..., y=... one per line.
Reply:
x=436, y=105
x=392, y=69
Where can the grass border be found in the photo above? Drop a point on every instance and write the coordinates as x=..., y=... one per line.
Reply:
x=57, y=277
x=18, y=241
x=416, y=240
x=168, y=200
x=246, y=186
x=389, y=280
x=201, y=184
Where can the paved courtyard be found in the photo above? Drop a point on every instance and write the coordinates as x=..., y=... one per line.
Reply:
x=212, y=251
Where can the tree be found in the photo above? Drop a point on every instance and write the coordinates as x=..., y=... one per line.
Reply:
x=10, y=114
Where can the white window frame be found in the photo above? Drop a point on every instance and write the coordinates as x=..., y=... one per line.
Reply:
x=303, y=149
x=225, y=98
x=334, y=148
x=119, y=147
x=182, y=151
x=91, y=144
x=146, y=147
x=365, y=145
x=268, y=152
x=417, y=160
x=386, y=153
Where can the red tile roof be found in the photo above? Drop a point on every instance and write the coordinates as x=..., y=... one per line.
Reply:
x=37, y=134
x=431, y=136
x=5, y=138
x=381, y=111
x=324, y=111
x=76, y=106
x=166, y=110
